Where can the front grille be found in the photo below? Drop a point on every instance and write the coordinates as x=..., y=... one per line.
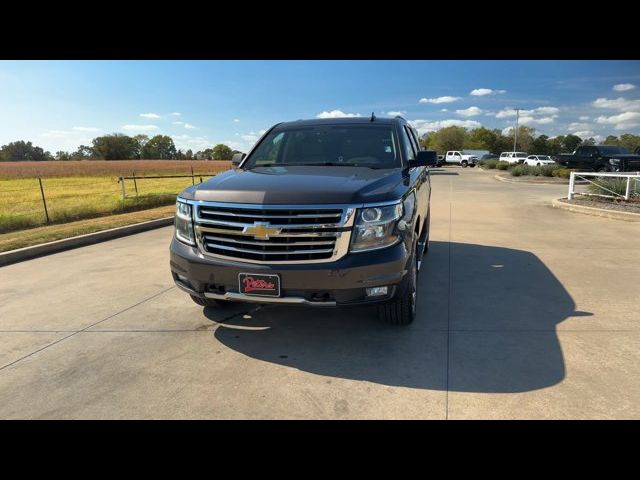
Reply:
x=301, y=234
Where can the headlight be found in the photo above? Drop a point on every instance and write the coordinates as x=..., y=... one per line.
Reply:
x=375, y=227
x=184, y=223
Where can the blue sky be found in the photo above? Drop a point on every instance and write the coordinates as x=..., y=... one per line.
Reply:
x=62, y=104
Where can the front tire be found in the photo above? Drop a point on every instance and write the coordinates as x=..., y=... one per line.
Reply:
x=402, y=309
x=464, y=164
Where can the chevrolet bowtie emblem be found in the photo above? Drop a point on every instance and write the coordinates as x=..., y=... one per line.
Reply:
x=260, y=231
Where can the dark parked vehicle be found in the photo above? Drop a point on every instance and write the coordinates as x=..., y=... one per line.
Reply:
x=489, y=156
x=325, y=212
x=601, y=158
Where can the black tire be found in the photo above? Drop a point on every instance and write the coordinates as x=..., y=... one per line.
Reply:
x=402, y=309
x=603, y=169
x=464, y=164
x=209, y=302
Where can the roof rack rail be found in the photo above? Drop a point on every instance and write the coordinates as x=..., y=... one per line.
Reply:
x=401, y=118
x=373, y=117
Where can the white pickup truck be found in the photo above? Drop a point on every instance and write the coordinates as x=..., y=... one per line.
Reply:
x=459, y=158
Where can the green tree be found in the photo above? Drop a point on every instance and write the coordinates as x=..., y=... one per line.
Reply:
x=571, y=142
x=610, y=140
x=115, y=147
x=540, y=145
x=159, y=147
x=525, y=139
x=222, y=152
x=83, y=152
x=21, y=150
x=630, y=141
x=188, y=155
x=62, y=155
x=449, y=138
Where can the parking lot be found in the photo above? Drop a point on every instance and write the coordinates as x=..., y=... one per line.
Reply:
x=524, y=311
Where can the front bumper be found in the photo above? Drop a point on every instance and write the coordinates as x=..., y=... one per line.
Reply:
x=339, y=283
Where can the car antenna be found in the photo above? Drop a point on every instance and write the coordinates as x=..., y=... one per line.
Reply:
x=373, y=117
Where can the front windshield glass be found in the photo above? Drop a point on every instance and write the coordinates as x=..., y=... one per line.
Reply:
x=371, y=146
x=612, y=150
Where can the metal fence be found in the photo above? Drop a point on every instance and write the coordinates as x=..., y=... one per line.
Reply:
x=627, y=189
x=121, y=180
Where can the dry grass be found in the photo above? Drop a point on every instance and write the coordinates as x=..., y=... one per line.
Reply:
x=114, y=168
x=36, y=236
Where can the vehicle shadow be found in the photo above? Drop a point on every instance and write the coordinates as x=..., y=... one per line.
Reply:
x=486, y=323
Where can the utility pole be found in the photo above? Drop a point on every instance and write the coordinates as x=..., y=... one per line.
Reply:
x=515, y=133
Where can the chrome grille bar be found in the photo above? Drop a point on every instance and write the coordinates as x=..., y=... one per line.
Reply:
x=273, y=234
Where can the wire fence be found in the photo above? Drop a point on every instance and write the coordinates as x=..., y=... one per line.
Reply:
x=33, y=202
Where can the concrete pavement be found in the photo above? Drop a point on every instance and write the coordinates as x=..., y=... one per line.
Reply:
x=525, y=311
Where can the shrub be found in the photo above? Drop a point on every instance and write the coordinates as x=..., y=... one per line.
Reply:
x=561, y=172
x=502, y=165
x=547, y=170
x=488, y=164
x=616, y=185
x=518, y=171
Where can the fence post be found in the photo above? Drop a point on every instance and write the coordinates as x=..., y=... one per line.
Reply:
x=135, y=184
x=44, y=201
x=121, y=180
x=572, y=180
x=628, y=190
x=193, y=181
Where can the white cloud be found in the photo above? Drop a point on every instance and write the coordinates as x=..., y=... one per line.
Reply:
x=445, y=99
x=583, y=118
x=336, y=114
x=149, y=115
x=619, y=103
x=623, y=87
x=178, y=123
x=236, y=120
x=480, y=92
x=86, y=129
x=394, y=113
x=529, y=120
x=574, y=126
x=249, y=138
x=424, y=126
x=510, y=112
x=544, y=110
x=262, y=132
x=190, y=127
x=444, y=110
x=187, y=142
x=469, y=112
x=584, y=134
x=175, y=114
x=56, y=134
x=621, y=121
x=139, y=128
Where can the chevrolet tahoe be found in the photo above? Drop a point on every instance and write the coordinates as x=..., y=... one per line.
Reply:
x=322, y=213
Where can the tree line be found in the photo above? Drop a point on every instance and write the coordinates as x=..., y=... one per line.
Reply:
x=116, y=146
x=458, y=138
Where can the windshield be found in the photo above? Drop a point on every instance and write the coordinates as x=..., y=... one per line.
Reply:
x=371, y=146
x=612, y=150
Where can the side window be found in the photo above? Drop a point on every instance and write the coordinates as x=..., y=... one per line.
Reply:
x=416, y=140
x=409, y=148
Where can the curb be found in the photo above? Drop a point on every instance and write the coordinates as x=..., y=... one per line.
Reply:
x=27, y=253
x=598, y=212
x=506, y=180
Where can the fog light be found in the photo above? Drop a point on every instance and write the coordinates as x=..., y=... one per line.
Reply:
x=376, y=291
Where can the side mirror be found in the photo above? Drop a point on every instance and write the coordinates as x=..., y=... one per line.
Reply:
x=425, y=158
x=237, y=158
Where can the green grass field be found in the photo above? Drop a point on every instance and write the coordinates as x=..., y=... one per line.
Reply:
x=74, y=198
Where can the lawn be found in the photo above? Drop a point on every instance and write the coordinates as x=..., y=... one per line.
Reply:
x=89, y=189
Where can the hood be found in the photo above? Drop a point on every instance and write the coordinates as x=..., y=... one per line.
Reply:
x=301, y=185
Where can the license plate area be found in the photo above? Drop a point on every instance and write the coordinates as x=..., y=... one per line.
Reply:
x=258, y=284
